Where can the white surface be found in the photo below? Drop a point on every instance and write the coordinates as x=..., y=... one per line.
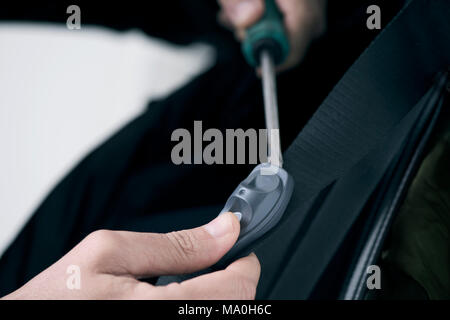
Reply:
x=63, y=92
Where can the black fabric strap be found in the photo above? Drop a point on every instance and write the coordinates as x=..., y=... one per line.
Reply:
x=374, y=100
x=392, y=191
x=329, y=225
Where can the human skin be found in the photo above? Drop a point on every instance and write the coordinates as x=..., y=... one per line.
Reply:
x=112, y=262
x=304, y=21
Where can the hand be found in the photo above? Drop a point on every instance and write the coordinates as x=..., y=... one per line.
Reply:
x=112, y=262
x=304, y=21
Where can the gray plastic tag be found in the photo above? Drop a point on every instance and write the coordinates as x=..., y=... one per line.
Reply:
x=259, y=203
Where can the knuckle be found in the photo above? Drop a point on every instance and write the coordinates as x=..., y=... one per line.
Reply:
x=174, y=291
x=143, y=290
x=184, y=243
x=100, y=243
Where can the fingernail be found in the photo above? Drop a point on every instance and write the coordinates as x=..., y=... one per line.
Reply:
x=220, y=226
x=243, y=11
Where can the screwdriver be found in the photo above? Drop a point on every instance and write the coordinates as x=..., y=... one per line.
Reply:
x=266, y=45
x=260, y=200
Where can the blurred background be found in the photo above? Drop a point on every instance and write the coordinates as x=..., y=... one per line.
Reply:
x=63, y=92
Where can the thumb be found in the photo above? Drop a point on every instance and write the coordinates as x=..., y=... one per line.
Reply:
x=186, y=251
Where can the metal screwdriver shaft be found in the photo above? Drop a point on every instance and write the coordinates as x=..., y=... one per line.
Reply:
x=271, y=109
x=266, y=45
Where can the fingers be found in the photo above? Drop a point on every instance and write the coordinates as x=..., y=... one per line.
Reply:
x=238, y=281
x=304, y=21
x=306, y=16
x=242, y=13
x=151, y=254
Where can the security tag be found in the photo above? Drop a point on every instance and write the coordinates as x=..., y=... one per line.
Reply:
x=259, y=203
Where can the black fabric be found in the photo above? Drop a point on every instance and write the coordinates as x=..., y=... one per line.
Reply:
x=392, y=190
x=378, y=91
x=130, y=182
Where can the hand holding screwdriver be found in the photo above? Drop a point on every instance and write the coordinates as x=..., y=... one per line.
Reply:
x=304, y=20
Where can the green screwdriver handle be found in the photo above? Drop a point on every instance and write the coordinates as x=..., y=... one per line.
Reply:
x=267, y=34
